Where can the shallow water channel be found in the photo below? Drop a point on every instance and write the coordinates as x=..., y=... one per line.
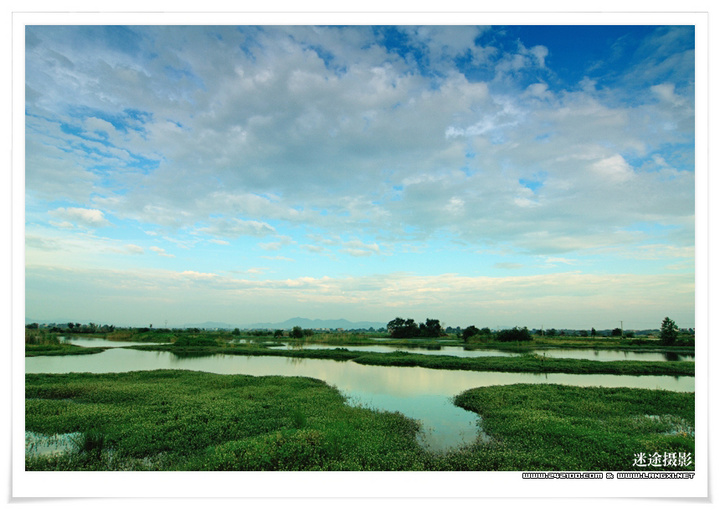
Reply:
x=606, y=355
x=423, y=394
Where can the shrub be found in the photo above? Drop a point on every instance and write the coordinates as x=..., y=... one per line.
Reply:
x=196, y=342
x=514, y=335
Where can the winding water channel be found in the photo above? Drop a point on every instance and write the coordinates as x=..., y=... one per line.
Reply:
x=606, y=355
x=423, y=394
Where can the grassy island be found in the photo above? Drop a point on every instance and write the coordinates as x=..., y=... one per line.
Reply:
x=185, y=420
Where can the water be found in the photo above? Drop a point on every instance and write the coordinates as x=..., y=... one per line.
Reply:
x=441, y=351
x=101, y=342
x=609, y=355
x=606, y=355
x=44, y=445
x=423, y=394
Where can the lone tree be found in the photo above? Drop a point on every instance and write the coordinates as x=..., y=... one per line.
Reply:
x=668, y=332
x=470, y=331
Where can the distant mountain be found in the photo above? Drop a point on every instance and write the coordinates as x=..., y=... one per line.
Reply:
x=210, y=325
x=315, y=324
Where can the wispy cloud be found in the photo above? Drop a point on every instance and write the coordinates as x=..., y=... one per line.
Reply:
x=162, y=252
x=361, y=151
x=84, y=217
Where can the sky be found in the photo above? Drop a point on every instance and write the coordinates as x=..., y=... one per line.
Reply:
x=539, y=176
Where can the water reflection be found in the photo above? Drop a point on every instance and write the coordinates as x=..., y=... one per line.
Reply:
x=102, y=342
x=462, y=352
x=614, y=355
x=435, y=351
x=423, y=394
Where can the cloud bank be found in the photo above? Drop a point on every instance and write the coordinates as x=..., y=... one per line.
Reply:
x=354, y=152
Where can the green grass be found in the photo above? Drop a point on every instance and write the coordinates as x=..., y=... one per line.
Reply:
x=42, y=343
x=60, y=350
x=554, y=427
x=528, y=363
x=189, y=421
x=183, y=420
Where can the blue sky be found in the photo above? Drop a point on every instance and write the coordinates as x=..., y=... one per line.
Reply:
x=486, y=175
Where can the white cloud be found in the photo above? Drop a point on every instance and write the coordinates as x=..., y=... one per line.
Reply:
x=539, y=52
x=162, y=252
x=86, y=217
x=286, y=136
x=281, y=242
x=197, y=275
x=233, y=228
x=666, y=93
x=558, y=260
x=63, y=225
x=594, y=300
x=614, y=168
x=134, y=249
x=324, y=140
x=359, y=248
x=99, y=127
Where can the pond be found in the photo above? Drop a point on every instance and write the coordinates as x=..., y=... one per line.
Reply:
x=423, y=394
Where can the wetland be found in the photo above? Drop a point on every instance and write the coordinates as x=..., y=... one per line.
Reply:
x=422, y=410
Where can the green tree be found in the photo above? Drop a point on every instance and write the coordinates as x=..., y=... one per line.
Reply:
x=470, y=331
x=668, y=332
x=296, y=332
x=514, y=335
x=431, y=328
x=395, y=326
x=403, y=328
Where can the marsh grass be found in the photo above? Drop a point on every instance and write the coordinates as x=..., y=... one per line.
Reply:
x=186, y=420
x=524, y=363
x=528, y=363
x=44, y=343
x=555, y=427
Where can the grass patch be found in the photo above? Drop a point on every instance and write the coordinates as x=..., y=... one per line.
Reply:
x=555, y=427
x=528, y=363
x=190, y=421
x=42, y=343
x=184, y=420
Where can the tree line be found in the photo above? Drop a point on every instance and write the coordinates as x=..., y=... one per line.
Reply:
x=670, y=335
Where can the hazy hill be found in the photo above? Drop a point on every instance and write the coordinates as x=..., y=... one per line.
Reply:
x=315, y=324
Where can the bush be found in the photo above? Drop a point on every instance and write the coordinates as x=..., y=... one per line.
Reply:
x=514, y=335
x=474, y=335
x=37, y=337
x=196, y=342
